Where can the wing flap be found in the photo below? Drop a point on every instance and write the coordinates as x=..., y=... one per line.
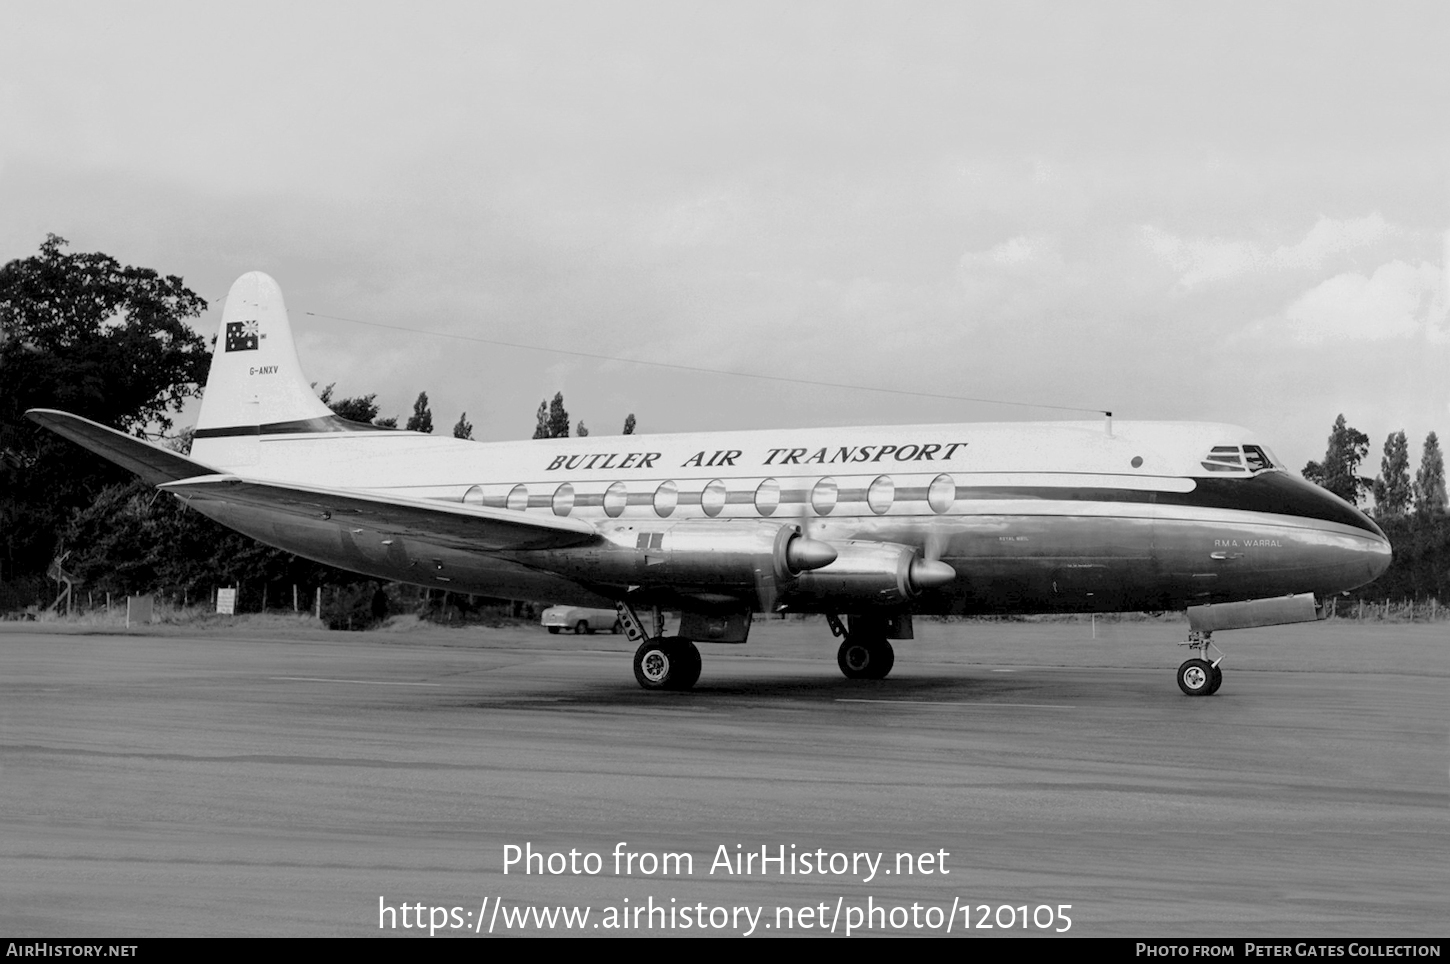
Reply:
x=152, y=463
x=450, y=524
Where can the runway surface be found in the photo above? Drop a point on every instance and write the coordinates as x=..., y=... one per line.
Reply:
x=175, y=785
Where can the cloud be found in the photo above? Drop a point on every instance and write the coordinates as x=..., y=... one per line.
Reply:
x=1399, y=300
x=1203, y=260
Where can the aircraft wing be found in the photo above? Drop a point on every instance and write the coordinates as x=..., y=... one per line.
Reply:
x=451, y=524
x=152, y=463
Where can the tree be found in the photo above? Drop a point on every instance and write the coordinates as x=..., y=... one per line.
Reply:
x=580, y=430
x=464, y=428
x=421, y=419
x=553, y=419
x=1430, y=496
x=1339, y=473
x=110, y=342
x=363, y=408
x=628, y=424
x=558, y=417
x=1392, y=489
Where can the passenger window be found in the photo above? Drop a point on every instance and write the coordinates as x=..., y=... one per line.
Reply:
x=615, y=499
x=881, y=494
x=823, y=496
x=564, y=499
x=667, y=496
x=767, y=497
x=518, y=498
x=474, y=495
x=941, y=494
x=712, y=500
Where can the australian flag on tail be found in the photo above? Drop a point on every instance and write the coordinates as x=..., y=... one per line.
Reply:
x=242, y=335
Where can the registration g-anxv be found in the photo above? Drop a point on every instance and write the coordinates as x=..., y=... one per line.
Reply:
x=869, y=526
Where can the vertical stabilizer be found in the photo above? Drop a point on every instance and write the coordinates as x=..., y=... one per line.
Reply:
x=255, y=377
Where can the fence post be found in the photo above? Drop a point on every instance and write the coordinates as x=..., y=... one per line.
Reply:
x=318, y=613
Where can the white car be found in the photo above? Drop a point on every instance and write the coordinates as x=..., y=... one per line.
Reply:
x=581, y=620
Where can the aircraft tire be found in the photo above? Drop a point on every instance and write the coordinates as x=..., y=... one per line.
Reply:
x=666, y=663
x=870, y=658
x=690, y=655
x=1195, y=677
x=1217, y=681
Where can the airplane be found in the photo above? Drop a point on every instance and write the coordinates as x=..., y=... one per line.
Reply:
x=869, y=526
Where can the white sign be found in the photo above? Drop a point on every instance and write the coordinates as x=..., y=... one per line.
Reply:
x=138, y=610
x=226, y=602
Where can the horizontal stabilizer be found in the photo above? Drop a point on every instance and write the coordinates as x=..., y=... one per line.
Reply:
x=451, y=524
x=153, y=463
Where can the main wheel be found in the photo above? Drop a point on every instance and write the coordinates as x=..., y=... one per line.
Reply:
x=865, y=658
x=1195, y=677
x=667, y=664
x=690, y=657
x=581, y=627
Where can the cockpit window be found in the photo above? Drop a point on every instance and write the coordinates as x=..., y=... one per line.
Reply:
x=1239, y=460
x=1258, y=458
x=1224, y=458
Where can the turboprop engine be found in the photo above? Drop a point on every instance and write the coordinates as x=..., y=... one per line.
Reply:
x=869, y=574
x=711, y=560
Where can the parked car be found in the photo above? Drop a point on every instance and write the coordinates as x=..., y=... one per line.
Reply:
x=581, y=620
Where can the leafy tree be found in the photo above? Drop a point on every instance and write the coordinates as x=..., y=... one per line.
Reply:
x=628, y=424
x=464, y=428
x=1339, y=473
x=558, y=417
x=580, y=430
x=1392, y=490
x=1430, y=497
x=422, y=418
x=553, y=419
x=363, y=408
x=110, y=342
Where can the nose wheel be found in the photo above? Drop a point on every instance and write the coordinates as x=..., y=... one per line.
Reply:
x=1198, y=676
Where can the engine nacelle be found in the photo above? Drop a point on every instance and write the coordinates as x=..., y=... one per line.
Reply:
x=865, y=574
x=695, y=555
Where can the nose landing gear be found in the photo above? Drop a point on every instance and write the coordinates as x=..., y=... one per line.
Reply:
x=1198, y=676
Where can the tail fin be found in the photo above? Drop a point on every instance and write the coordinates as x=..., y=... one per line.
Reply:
x=256, y=382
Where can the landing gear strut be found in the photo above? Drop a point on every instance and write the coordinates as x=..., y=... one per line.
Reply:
x=661, y=662
x=1198, y=676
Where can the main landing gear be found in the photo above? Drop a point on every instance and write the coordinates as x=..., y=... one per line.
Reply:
x=661, y=662
x=865, y=653
x=667, y=663
x=1198, y=676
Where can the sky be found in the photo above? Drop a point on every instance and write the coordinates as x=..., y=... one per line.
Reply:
x=1228, y=212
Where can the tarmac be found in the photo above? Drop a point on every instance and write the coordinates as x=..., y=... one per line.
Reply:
x=1025, y=776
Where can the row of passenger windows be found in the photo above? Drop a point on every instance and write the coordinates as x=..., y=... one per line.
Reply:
x=767, y=497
